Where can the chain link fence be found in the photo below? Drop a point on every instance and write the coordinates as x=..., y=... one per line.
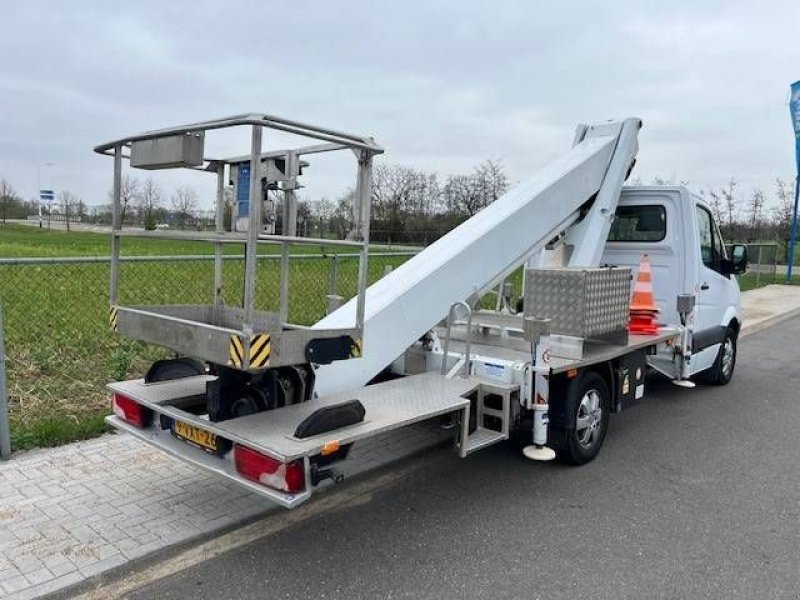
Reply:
x=762, y=261
x=61, y=352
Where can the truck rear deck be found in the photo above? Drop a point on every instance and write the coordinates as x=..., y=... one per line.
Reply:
x=389, y=405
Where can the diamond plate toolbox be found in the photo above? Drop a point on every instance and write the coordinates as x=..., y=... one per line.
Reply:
x=586, y=303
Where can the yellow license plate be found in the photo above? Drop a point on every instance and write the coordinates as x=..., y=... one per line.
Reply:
x=200, y=437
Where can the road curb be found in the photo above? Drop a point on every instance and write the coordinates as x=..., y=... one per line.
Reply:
x=769, y=322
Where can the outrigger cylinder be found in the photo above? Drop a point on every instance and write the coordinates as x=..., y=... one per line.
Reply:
x=538, y=331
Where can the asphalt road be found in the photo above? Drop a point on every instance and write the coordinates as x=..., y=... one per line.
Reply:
x=696, y=494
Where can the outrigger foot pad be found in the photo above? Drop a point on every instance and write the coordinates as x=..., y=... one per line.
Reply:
x=684, y=383
x=540, y=453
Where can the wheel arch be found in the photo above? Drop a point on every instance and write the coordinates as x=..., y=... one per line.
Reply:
x=736, y=325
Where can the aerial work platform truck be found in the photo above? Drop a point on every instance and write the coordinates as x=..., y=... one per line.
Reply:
x=277, y=406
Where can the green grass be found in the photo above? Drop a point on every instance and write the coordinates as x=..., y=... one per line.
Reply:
x=60, y=351
x=58, y=430
x=749, y=281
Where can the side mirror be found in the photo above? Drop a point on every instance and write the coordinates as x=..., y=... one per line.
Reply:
x=738, y=260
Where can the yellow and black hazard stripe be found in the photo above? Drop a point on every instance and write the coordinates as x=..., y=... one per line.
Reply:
x=113, y=317
x=260, y=350
x=355, y=349
x=236, y=351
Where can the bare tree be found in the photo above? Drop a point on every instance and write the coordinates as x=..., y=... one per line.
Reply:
x=491, y=181
x=468, y=194
x=755, y=210
x=729, y=196
x=782, y=213
x=184, y=203
x=304, y=215
x=128, y=191
x=322, y=209
x=345, y=213
x=7, y=196
x=68, y=201
x=461, y=196
x=398, y=190
x=147, y=201
x=715, y=201
x=80, y=210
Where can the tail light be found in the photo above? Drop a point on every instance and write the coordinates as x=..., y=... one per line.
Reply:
x=287, y=477
x=131, y=411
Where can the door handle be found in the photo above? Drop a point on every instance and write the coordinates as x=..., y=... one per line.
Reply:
x=705, y=286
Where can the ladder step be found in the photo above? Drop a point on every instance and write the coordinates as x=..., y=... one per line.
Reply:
x=493, y=412
x=480, y=438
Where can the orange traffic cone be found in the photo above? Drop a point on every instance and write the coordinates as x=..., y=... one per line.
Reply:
x=643, y=304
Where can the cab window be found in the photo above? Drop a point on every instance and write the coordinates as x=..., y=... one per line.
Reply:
x=711, y=249
x=642, y=223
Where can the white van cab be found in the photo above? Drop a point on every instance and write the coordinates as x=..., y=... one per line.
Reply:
x=677, y=230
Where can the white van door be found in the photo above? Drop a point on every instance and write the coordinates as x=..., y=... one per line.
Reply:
x=713, y=291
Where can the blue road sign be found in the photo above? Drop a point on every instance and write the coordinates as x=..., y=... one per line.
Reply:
x=243, y=190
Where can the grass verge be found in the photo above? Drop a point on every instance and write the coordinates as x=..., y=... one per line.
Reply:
x=749, y=281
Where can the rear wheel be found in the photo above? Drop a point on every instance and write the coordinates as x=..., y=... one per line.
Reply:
x=591, y=405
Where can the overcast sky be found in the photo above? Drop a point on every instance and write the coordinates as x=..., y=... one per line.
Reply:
x=441, y=85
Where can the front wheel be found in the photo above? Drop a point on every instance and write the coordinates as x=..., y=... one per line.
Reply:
x=721, y=372
x=590, y=401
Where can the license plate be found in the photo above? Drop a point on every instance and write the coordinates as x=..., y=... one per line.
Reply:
x=194, y=435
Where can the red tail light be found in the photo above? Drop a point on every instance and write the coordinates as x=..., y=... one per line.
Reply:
x=131, y=411
x=288, y=477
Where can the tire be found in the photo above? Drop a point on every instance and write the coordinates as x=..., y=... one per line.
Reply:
x=721, y=372
x=174, y=368
x=590, y=402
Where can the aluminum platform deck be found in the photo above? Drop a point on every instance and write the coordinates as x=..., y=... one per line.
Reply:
x=515, y=349
x=389, y=405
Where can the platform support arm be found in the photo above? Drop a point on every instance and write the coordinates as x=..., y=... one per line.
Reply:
x=253, y=230
x=116, y=225
x=219, y=226
x=363, y=192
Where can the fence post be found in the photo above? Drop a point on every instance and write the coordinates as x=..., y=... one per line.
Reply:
x=758, y=271
x=334, y=275
x=5, y=429
x=774, y=263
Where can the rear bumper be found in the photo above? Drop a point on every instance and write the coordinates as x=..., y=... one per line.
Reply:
x=223, y=466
